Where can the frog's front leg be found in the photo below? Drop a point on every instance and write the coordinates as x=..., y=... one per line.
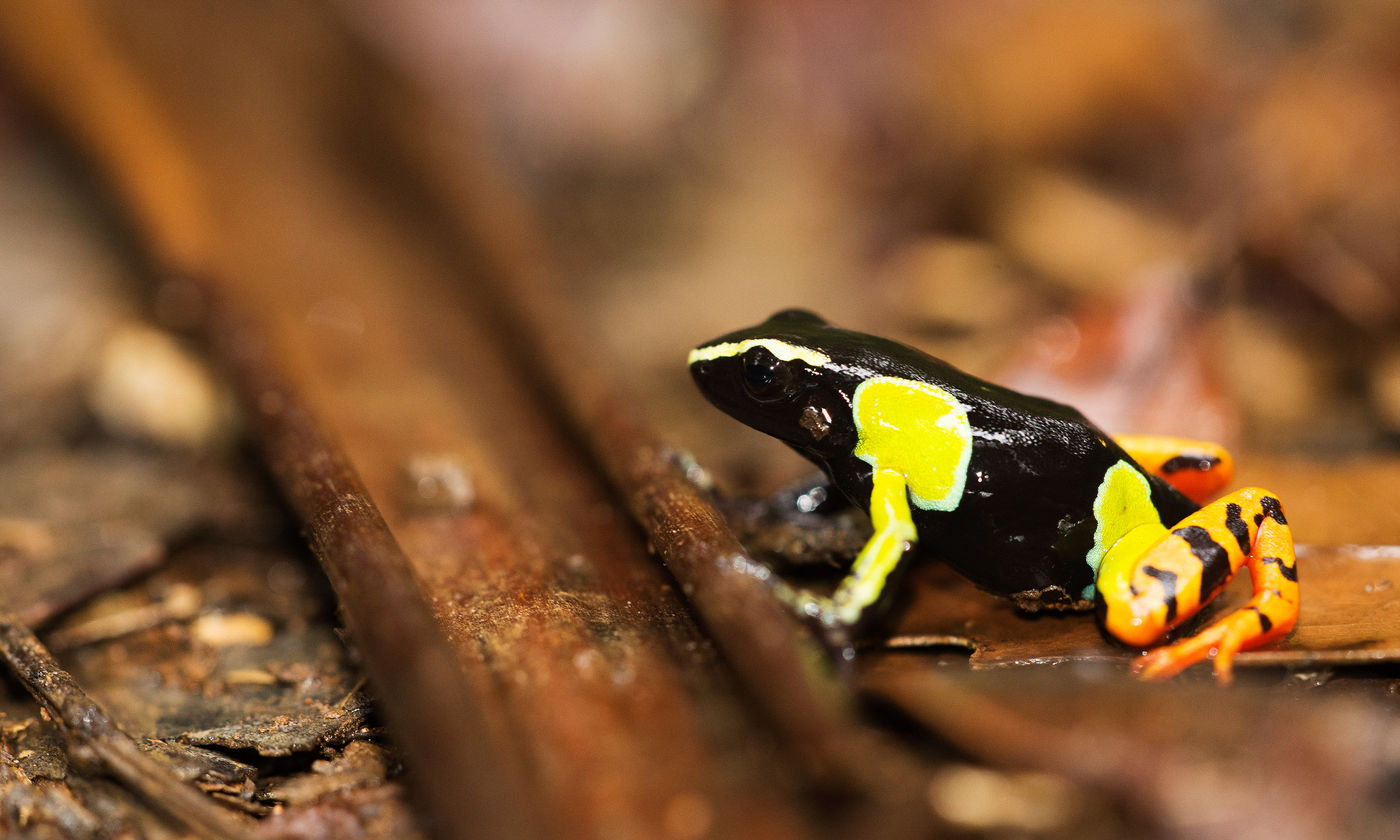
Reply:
x=895, y=534
x=1146, y=591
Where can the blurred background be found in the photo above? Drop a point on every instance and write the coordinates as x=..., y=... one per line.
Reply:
x=1181, y=217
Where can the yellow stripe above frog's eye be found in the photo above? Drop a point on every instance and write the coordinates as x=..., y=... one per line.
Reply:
x=918, y=430
x=781, y=349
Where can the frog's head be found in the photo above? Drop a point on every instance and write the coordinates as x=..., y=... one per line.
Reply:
x=782, y=379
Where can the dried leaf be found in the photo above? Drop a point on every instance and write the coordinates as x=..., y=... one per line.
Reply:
x=75, y=523
x=1350, y=615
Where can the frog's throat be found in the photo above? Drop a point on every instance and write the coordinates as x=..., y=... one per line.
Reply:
x=783, y=350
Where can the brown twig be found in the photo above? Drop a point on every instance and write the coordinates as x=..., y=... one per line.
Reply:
x=783, y=668
x=779, y=662
x=94, y=738
x=473, y=783
x=27, y=802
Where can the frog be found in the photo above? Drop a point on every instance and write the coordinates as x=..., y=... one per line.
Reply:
x=1022, y=495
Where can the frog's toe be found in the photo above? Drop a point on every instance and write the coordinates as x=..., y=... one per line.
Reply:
x=839, y=644
x=1162, y=664
x=1218, y=643
x=1168, y=661
x=1232, y=643
x=821, y=616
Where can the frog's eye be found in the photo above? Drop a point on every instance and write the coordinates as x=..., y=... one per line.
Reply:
x=765, y=375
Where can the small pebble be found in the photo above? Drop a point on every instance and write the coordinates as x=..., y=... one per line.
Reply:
x=148, y=386
x=226, y=629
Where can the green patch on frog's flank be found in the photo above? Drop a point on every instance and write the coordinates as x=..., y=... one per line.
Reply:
x=1122, y=507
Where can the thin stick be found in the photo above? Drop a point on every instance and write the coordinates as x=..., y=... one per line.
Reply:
x=94, y=738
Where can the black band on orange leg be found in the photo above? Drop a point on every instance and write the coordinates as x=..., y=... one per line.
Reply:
x=1197, y=468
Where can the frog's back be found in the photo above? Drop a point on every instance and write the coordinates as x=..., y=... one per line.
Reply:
x=1024, y=526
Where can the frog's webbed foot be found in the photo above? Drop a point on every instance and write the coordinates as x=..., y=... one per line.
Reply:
x=1218, y=642
x=1176, y=576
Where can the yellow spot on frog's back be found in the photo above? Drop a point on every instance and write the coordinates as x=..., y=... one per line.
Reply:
x=918, y=430
x=782, y=349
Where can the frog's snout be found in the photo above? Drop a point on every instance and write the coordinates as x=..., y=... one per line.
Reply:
x=701, y=370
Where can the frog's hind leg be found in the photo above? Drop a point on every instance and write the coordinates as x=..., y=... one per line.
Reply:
x=1197, y=468
x=1141, y=599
